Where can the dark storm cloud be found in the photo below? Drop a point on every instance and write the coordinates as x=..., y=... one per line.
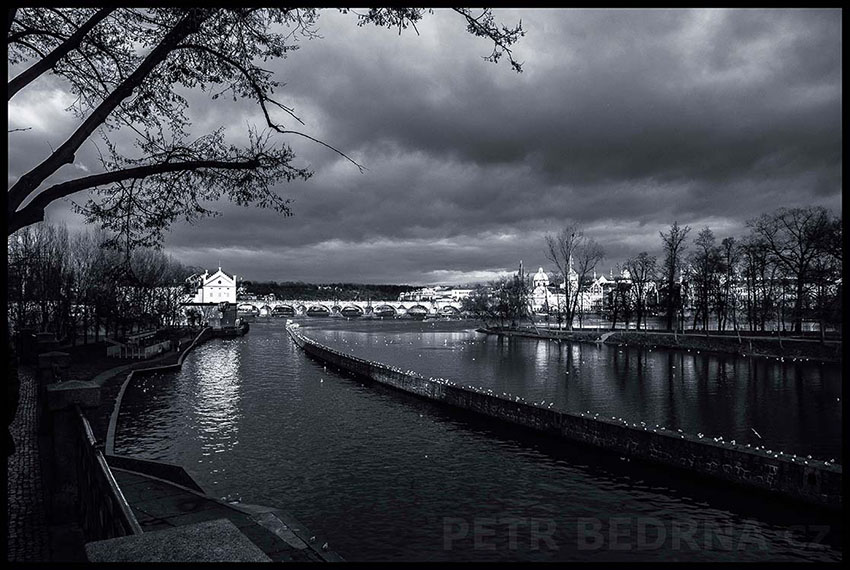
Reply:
x=621, y=95
x=623, y=120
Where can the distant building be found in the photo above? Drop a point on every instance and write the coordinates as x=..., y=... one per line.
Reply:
x=216, y=288
x=542, y=297
x=424, y=294
x=593, y=296
x=438, y=293
x=459, y=294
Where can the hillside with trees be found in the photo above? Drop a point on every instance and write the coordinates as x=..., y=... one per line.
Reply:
x=325, y=292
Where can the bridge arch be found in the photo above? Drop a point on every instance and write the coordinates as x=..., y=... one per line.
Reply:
x=417, y=310
x=284, y=310
x=384, y=311
x=351, y=310
x=318, y=310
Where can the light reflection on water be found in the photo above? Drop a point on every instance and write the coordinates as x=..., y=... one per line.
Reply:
x=380, y=474
x=218, y=400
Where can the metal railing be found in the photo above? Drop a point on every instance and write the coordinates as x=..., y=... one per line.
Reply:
x=104, y=512
x=141, y=352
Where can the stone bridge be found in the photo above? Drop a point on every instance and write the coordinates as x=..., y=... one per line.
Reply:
x=297, y=307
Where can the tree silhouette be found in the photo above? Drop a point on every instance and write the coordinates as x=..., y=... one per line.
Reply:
x=130, y=71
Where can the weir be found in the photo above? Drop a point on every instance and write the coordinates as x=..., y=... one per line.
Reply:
x=812, y=481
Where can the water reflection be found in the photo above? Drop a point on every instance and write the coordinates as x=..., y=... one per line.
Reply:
x=218, y=399
x=204, y=404
x=793, y=406
x=379, y=472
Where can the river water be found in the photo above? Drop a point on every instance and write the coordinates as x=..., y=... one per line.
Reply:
x=385, y=476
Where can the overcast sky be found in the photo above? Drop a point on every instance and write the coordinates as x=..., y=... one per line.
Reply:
x=623, y=121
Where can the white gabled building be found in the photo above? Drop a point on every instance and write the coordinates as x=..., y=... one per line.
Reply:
x=216, y=288
x=593, y=298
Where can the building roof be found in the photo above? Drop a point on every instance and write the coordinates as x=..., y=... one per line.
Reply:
x=210, y=279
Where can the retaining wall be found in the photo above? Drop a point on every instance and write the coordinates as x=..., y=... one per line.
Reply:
x=109, y=444
x=812, y=481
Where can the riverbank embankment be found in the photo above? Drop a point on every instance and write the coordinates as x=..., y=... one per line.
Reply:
x=747, y=346
x=173, y=493
x=111, y=380
x=804, y=479
x=31, y=537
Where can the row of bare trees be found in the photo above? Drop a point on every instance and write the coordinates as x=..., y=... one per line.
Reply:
x=71, y=284
x=503, y=301
x=785, y=270
x=791, y=266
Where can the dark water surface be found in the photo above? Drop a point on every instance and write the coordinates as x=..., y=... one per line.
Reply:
x=794, y=407
x=385, y=476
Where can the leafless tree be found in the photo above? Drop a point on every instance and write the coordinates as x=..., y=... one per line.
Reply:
x=576, y=257
x=705, y=264
x=796, y=238
x=642, y=270
x=674, y=248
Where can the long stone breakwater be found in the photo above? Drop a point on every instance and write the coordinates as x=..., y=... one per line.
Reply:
x=805, y=479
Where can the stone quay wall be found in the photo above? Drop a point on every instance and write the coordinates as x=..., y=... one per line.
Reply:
x=812, y=481
x=109, y=445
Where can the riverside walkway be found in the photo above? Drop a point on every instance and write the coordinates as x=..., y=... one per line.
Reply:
x=27, y=538
x=181, y=513
x=161, y=505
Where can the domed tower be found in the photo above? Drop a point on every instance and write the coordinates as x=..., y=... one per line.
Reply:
x=540, y=279
x=540, y=293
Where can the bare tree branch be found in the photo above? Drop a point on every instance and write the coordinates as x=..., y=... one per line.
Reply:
x=263, y=98
x=11, y=19
x=65, y=153
x=39, y=67
x=34, y=211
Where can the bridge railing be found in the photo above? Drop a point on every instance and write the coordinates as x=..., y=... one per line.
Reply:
x=104, y=512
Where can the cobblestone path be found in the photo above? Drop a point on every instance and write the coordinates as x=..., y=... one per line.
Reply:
x=27, y=539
